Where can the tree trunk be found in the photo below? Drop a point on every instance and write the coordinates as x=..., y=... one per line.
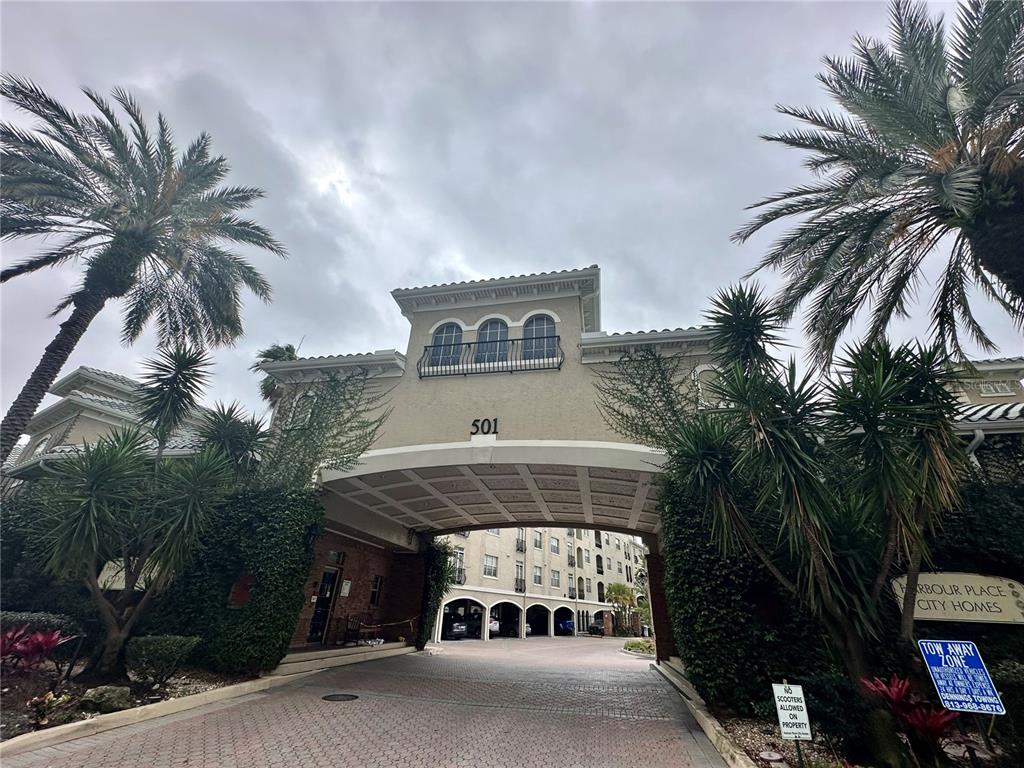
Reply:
x=54, y=357
x=109, y=668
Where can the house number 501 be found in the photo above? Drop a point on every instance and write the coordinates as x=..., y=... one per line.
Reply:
x=484, y=427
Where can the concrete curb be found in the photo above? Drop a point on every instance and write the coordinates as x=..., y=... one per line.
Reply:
x=83, y=728
x=637, y=655
x=733, y=755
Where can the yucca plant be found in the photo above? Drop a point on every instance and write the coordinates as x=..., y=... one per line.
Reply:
x=145, y=223
x=925, y=154
x=117, y=502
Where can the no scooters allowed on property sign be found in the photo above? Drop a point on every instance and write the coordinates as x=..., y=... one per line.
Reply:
x=789, y=703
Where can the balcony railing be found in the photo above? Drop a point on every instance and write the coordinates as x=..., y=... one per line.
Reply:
x=572, y=561
x=463, y=534
x=504, y=356
x=520, y=585
x=600, y=570
x=572, y=593
x=520, y=545
x=460, y=575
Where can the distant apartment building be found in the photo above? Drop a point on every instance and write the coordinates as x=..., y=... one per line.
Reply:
x=537, y=581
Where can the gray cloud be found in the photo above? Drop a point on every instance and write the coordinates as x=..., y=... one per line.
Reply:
x=412, y=144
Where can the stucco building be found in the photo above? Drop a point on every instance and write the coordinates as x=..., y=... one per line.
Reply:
x=494, y=429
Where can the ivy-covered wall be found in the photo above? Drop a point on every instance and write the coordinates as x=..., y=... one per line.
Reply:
x=267, y=535
x=736, y=631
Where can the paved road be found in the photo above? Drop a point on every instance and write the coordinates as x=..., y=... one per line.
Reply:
x=558, y=702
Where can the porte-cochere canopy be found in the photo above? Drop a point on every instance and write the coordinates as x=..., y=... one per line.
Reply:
x=485, y=483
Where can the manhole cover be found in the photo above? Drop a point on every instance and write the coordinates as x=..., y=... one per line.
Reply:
x=340, y=697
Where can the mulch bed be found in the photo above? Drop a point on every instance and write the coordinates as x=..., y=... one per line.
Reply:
x=757, y=736
x=17, y=689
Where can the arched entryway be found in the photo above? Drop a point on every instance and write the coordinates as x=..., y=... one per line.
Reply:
x=509, y=617
x=564, y=622
x=538, y=617
x=462, y=618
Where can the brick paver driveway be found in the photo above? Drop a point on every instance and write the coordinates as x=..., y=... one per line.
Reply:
x=556, y=702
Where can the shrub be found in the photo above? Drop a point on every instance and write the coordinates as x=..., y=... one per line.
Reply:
x=640, y=646
x=154, y=658
x=39, y=622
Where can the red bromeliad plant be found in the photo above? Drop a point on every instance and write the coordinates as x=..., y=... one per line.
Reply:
x=21, y=648
x=925, y=725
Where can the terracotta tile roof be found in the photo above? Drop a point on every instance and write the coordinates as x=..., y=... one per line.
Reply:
x=476, y=283
x=114, y=378
x=663, y=330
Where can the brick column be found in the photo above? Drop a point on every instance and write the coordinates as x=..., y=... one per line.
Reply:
x=664, y=642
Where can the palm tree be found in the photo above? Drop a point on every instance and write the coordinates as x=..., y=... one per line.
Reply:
x=110, y=503
x=927, y=152
x=146, y=224
x=270, y=390
x=623, y=597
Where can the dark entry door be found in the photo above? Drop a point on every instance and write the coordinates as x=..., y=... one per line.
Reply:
x=322, y=608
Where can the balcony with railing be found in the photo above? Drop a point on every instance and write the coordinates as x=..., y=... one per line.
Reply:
x=460, y=575
x=600, y=570
x=520, y=585
x=572, y=561
x=572, y=593
x=520, y=545
x=504, y=356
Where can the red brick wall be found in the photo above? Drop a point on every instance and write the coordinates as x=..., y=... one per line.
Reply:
x=362, y=562
x=664, y=642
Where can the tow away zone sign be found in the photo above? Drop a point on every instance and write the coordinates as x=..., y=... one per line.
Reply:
x=789, y=703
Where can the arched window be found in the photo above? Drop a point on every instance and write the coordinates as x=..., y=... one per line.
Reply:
x=579, y=587
x=600, y=591
x=492, y=342
x=446, y=346
x=539, y=341
x=599, y=562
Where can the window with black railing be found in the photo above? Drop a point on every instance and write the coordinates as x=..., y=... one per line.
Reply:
x=572, y=593
x=520, y=585
x=460, y=575
x=520, y=545
x=572, y=561
x=492, y=354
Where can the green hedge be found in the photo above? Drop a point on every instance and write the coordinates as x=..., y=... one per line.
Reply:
x=153, y=659
x=735, y=631
x=439, y=577
x=269, y=535
x=39, y=622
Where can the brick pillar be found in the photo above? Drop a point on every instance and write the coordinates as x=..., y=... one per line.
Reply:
x=664, y=642
x=606, y=622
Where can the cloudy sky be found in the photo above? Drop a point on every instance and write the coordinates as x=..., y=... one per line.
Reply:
x=411, y=144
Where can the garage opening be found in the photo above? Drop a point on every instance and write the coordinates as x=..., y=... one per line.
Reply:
x=462, y=619
x=537, y=620
x=507, y=616
x=565, y=624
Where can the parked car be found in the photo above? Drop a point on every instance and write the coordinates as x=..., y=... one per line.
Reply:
x=494, y=627
x=473, y=625
x=454, y=629
x=596, y=629
x=565, y=627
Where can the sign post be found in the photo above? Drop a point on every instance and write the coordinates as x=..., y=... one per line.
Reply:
x=792, y=711
x=961, y=679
